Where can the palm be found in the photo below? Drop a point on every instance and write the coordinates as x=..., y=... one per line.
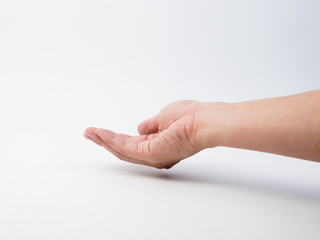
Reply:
x=164, y=140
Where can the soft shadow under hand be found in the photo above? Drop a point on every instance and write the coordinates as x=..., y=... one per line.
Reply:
x=221, y=177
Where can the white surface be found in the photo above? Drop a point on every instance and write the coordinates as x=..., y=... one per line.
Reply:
x=66, y=65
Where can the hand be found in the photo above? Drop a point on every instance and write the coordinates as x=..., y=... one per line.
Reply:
x=164, y=140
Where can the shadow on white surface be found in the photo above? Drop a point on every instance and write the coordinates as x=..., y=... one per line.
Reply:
x=227, y=178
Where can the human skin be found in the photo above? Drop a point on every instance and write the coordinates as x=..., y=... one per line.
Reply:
x=288, y=126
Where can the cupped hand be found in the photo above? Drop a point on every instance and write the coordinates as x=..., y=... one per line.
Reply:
x=164, y=139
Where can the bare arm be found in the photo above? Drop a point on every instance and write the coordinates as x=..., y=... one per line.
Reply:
x=287, y=125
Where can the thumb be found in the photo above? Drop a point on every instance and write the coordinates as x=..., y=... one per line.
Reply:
x=149, y=126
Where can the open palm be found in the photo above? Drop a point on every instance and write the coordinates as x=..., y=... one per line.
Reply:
x=164, y=140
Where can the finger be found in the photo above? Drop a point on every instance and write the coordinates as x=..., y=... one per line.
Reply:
x=90, y=133
x=135, y=147
x=149, y=126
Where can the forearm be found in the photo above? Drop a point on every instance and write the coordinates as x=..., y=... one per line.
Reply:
x=287, y=126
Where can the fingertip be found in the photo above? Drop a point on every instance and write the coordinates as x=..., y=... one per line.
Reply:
x=148, y=126
x=89, y=133
x=87, y=136
x=141, y=128
x=89, y=130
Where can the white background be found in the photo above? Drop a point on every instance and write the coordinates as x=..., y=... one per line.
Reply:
x=66, y=65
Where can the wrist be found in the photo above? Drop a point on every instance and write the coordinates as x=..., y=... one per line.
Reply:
x=215, y=120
